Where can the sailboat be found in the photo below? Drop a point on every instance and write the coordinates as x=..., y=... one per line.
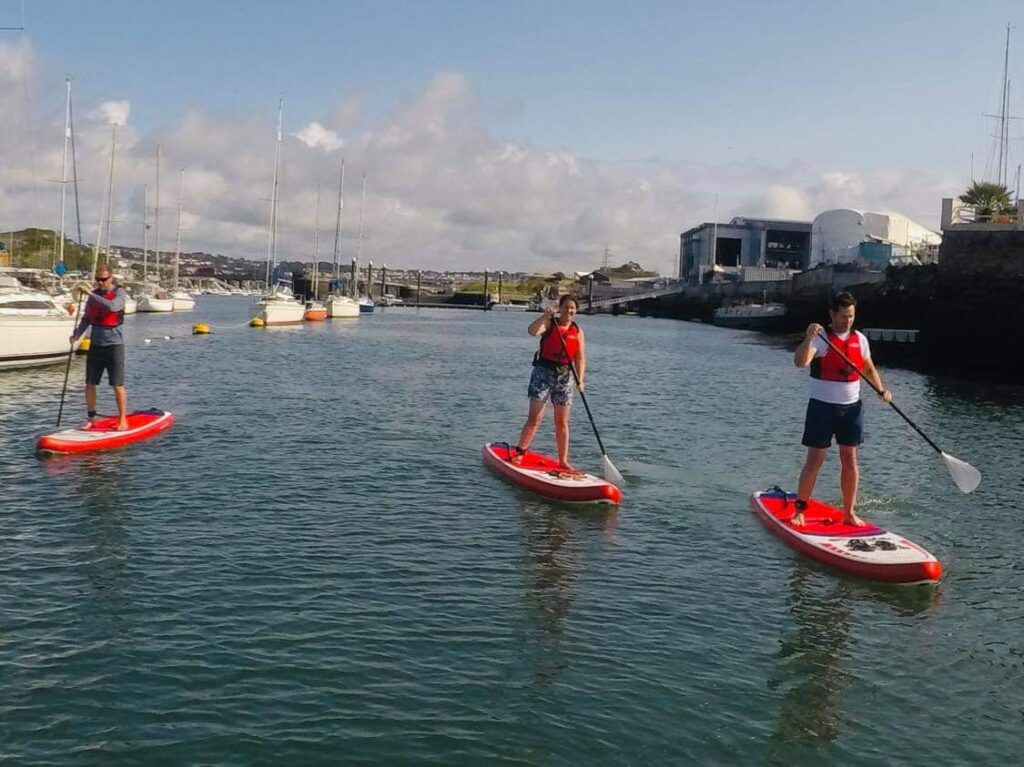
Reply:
x=366, y=304
x=338, y=304
x=181, y=299
x=316, y=311
x=276, y=307
x=34, y=329
x=152, y=297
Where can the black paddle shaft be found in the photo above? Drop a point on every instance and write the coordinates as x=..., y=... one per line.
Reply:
x=67, y=368
x=575, y=375
x=871, y=383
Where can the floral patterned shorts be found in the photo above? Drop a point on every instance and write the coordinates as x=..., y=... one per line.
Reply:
x=546, y=385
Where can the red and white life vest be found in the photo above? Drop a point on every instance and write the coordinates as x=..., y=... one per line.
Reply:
x=101, y=315
x=832, y=367
x=551, y=348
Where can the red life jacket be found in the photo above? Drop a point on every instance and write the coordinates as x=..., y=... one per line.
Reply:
x=101, y=315
x=832, y=367
x=551, y=350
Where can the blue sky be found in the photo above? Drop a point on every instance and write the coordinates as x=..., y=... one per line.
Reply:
x=775, y=107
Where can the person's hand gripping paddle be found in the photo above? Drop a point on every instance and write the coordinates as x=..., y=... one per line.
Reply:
x=610, y=472
x=965, y=476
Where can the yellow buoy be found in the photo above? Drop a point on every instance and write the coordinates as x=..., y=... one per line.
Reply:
x=83, y=345
x=200, y=329
x=257, y=322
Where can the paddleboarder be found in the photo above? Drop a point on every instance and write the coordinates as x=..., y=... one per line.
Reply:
x=104, y=312
x=561, y=345
x=835, y=408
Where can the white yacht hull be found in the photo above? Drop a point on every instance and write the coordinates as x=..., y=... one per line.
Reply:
x=183, y=302
x=31, y=341
x=154, y=304
x=277, y=311
x=341, y=306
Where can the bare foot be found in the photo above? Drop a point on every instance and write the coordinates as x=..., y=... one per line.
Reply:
x=90, y=424
x=516, y=456
x=852, y=520
x=566, y=468
x=122, y=425
x=797, y=520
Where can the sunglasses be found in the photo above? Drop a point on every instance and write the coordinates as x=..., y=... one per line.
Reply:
x=102, y=279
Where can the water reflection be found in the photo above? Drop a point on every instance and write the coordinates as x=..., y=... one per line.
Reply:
x=557, y=539
x=814, y=655
x=97, y=483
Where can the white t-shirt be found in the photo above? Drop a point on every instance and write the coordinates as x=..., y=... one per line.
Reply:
x=837, y=392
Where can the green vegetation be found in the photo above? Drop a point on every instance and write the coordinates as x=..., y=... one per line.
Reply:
x=988, y=199
x=40, y=248
x=627, y=271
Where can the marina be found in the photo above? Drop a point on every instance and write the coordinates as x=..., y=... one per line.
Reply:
x=720, y=464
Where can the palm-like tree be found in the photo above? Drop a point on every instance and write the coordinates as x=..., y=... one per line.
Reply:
x=988, y=198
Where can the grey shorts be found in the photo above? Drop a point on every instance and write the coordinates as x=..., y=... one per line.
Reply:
x=546, y=385
x=109, y=358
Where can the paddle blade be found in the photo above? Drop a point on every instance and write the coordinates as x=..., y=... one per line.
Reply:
x=611, y=473
x=966, y=477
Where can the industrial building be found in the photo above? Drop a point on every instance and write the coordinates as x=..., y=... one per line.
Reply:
x=873, y=239
x=744, y=242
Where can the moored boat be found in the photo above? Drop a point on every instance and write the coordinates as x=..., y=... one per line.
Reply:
x=34, y=330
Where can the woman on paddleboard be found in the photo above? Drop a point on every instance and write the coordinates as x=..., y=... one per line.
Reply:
x=835, y=409
x=561, y=346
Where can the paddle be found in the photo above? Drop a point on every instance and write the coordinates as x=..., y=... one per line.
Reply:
x=610, y=472
x=965, y=476
x=67, y=368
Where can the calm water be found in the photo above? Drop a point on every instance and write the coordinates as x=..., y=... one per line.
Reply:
x=313, y=565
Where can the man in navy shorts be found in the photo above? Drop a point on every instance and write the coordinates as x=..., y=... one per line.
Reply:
x=835, y=407
x=104, y=312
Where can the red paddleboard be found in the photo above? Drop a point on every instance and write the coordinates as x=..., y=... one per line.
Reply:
x=103, y=434
x=867, y=551
x=541, y=474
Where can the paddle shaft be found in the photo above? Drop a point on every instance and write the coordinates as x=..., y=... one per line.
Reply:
x=871, y=383
x=575, y=375
x=67, y=367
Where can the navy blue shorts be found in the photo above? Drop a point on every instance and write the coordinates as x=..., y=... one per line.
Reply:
x=825, y=420
x=108, y=358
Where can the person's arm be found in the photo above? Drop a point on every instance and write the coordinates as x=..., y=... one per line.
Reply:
x=581, y=360
x=539, y=325
x=82, y=325
x=806, y=352
x=872, y=375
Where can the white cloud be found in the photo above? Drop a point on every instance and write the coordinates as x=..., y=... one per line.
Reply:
x=442, y=191
x=316, y=135
x=115, y=112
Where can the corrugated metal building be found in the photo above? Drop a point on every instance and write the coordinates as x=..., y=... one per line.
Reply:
x=745, y=242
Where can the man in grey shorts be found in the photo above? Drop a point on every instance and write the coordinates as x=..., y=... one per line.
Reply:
x=104, y=312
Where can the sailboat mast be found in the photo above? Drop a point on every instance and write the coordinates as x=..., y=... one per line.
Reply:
x=110, y=184
x=177, y=243
x=272, y=235
x=64, y=166
x=337, y=222
x=1003, y=133
x=145, y=235
x=105, y=204
x=362, y=205
x=316, y=246
x=156, y=212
